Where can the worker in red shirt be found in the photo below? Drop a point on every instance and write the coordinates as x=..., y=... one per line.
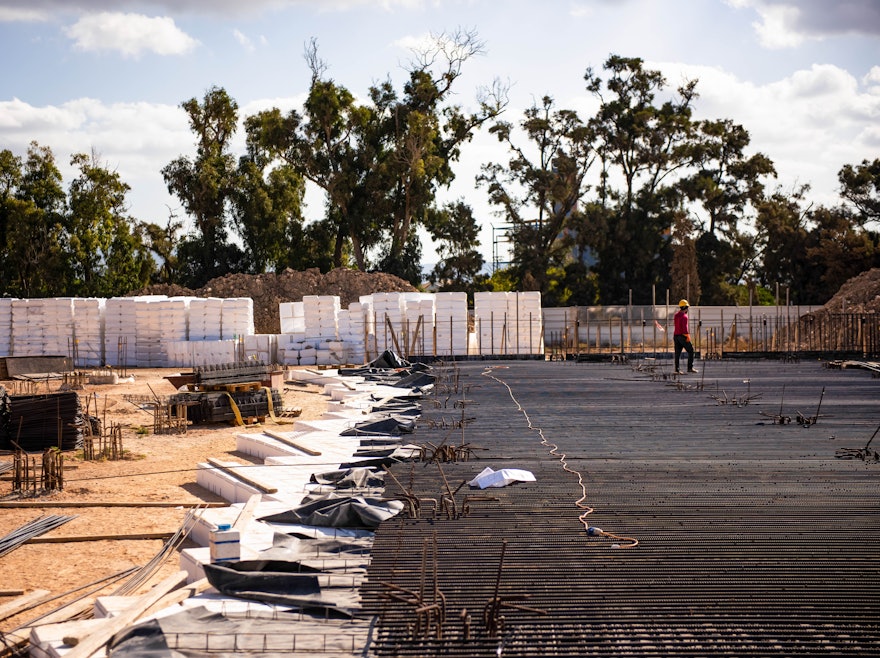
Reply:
x=681, y=336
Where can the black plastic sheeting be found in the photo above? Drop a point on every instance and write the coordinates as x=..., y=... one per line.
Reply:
x=390, y=359
x=198, y=632
x=392, y=426
x=338, y=511
x=296, y=546
x=273, y=581
x=350, y=478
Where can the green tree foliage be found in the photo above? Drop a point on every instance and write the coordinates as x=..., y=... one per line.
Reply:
x=860, y=186
x=811, y=252
x=267, y=211
x=685, y=278
x=34, y=211
x=162, y=242
x=379, y=164
x=457, y=235
x=105, y=252
x=782, y=225
x=81, y=244
x=204, y=186
x=539, y=191
x=724, y=188
x=642, y=146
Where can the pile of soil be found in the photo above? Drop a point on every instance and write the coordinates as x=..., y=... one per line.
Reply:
x=861, y=294
x=269, y=290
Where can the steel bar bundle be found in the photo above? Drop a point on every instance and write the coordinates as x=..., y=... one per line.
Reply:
x=37, y=422
x=31, y=529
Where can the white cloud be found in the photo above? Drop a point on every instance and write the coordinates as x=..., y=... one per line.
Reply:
x=788, y=23
x=775, y=30
x=809, y=123
x=135, y=139
x=130, y=34
x=243, y=40
x=872, y=80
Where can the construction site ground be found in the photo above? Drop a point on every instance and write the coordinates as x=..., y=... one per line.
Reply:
x=157, y=468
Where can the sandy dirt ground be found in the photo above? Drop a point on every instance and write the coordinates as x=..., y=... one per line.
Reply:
x=156, y=468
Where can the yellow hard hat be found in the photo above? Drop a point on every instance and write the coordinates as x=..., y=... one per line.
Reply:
x=683, y=304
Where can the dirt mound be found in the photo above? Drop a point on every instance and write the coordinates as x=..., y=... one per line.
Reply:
x=269, y=290
x=861, y=294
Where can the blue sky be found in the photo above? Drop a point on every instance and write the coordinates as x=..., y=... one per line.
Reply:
x=802, y=76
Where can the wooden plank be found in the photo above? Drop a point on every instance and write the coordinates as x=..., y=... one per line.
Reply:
x=293, y=444
x=21, y=603
x=13, y=504
x=83, y=647
x=246, y=515
x=75, y=538
x=234, y=469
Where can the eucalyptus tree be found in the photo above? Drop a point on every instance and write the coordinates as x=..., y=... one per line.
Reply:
x=105, y=248
x=323, y=146
x=724, y=190
x=267, y=210
x=204, y=185
x=380, y=162
x=162, y=242
x=782, y=225
x=540, y=190
x=33, y=224
x=860, y=186
x=420, y=138
x=642, y=147
x=456, y=231
x=838, y=248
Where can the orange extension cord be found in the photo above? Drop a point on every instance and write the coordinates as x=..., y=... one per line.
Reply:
x=554, y=450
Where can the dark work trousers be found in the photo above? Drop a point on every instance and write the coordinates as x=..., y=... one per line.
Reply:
x=682, y=343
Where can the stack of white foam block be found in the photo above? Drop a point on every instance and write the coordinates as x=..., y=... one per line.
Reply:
x=389, y=317
x=287, y=349
x=5, y=326
x=160, y=320
x=319, y=316
x=451, y=323
x=120, y=331
x=205, y=318
x=492, y=322
x=354, y=331
x=27, y=327
x=508, y=322
x=293, y=321
x=527, y=326
x=417, y=323
x=88, y=312
x=261, y=348
x=192, y=353
x=57, y=318
x=237, y=317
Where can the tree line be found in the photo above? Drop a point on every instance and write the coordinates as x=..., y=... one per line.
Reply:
x=605, y=209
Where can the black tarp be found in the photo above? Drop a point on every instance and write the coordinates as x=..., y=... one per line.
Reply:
x=350, y=478
x=391, y=425
x=415, y=380
x=339, y=511
x=272, y=581
x=299, y=546
x=197, y=632
x=390, y=359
